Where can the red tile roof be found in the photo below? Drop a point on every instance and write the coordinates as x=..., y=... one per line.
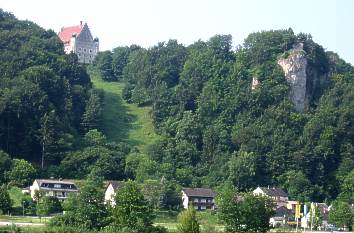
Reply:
x=66, y=33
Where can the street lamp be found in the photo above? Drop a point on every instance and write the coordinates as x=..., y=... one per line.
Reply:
x=23, y=208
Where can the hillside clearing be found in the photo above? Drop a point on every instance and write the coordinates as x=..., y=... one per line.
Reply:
x=124, y=122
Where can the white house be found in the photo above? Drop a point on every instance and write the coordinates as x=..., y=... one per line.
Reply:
x=54, y=188
x=199, y=198
x=280, y=197
x=78, y=39
x=111, y=191
x=324, y=211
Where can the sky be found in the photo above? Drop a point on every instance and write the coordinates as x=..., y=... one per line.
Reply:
x=147, y=22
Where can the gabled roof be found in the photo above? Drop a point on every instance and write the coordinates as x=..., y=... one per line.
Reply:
x=116, y=184
x=52, y=181
x=274, y=192
x=56, y=184
x=67, y=32
x=282, y=211
x=198, y=192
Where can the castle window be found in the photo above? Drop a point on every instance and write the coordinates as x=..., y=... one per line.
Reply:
x=90, y=50
x=84, y=50
x=79, y=49
x=78, y=54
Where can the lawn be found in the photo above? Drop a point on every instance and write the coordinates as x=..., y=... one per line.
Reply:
x=123, y=121
x=22, y=219
x=169, y=220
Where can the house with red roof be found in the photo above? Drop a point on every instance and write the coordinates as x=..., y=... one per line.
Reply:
x=78, y=39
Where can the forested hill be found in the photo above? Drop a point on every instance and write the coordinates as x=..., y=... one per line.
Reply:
x=278, y=110
x=43, y=93
x=231, y=115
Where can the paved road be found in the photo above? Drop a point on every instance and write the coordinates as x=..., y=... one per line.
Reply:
x=21, y=224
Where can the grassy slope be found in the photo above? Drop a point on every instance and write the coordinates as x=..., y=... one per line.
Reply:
x=123, y=121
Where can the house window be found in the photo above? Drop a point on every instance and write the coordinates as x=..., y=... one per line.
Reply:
x=203, y=200
x=57, y=186
x=203, y=207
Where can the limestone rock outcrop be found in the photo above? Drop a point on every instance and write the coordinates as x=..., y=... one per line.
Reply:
x=295, y=67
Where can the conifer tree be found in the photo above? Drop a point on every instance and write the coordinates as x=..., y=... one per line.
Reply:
x=188, y=222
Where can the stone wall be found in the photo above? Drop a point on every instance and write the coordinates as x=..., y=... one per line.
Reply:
x=85, y=47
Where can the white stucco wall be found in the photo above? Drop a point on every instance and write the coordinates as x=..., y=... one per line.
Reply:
x=258, y=191
x=109, y=195
x=33, y=188
x=185, y=200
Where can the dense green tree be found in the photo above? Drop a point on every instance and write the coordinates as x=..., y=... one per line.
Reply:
x=297, y=185
x=92, y=116
x=171, y=195
x=104, y=64
x=341, y=214
x=86, y=209
x=152, y=191
x=242, y=170
x=22, y=173
x=120, y=58
x=347, y=188
x=107, y=159
x=29, y=206
x=5, y=165
x=188, y=222
x=5, y=200
x=244, y=212
x=42, y=93
x=131, y=209
x=48, y=205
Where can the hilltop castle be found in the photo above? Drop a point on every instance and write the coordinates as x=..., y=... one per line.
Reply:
x=78, y=39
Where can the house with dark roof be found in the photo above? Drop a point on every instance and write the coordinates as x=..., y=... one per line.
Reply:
x=78, y=39
x=199, y=198
x=281, y=216
x=53, y=188
x=111, y=190
x=280, y=197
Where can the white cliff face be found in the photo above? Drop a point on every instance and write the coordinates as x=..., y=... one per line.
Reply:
x=294, y=67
